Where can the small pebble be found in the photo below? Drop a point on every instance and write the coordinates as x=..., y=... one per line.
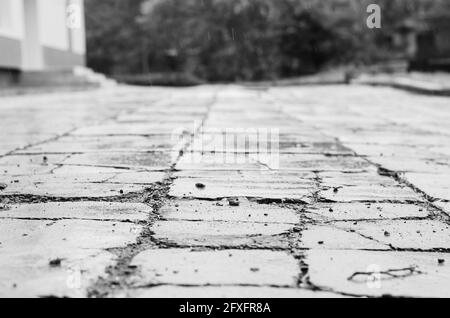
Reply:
x=55, y=262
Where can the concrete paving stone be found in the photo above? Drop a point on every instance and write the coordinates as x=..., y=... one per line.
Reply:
x=322, y=163
x=231, y=267
x=38, y=160
x=406, y=234
x=445, y=206
x=302, y=177
x=226, y=292
x=218, y=161
x=249, y=141
x=435, y=185
x=390, y=137
x=17, y=165
x=79, y=210
x=28, y=246
x=149, y=161
x=311, y=137
x=32, y=235
x=81, y=144
x=160, y=117
x=15, y=140
x=367, y=186
x=120, y=129
x=339, y=179
x=373, y=193
x=330, y=237
x=390, y=151
x=29, y=275
x=367, y=211
x=83, y=173
x=443, y=150
x=142, y=177
x=414, y=164
x=107, y=174
x=253, y=141
x=216, y=233
x=52, y=186
x=216, y=189
x=328, y=148
x=25, y=170
x=196, y=210
x=221, y=125
x=332, y=270
x=255, y=184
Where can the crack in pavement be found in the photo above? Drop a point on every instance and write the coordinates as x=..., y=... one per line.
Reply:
x=117, y=275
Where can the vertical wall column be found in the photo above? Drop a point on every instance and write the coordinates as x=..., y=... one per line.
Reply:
x=32, y=54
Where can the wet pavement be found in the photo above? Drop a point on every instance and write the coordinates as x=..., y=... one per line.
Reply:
x=219, y=191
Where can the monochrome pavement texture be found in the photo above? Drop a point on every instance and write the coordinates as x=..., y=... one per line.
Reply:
x=106, y=193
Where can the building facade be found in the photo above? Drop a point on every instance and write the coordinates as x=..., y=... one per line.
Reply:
x=38, y=35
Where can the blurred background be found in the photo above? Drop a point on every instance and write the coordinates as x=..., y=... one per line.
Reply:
x=185, y=42
x=255, y=40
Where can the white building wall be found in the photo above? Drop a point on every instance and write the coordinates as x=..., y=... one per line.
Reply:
x=37, y=34
x=52, y=24
x=78, y=36
x=11, y=19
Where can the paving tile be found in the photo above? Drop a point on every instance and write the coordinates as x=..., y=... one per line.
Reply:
x=268, y=185
x=218, y=161
x=80, y=144
x=329, y=237
x=332, y=270
x=149, y=161
x=322, y=163
x=48, y=185
x=407, y=234
x=226, y=292
x=367, y=211
x=231, y=267
x=197, y=210
x=79, y=210
x=373, y=193
x=28, y=247
x=434, y=185
x=216, y=233
x=445, y=206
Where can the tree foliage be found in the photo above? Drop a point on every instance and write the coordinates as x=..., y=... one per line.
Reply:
x=227, y=40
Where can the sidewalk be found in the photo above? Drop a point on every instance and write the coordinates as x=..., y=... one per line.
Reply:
x=134, y=192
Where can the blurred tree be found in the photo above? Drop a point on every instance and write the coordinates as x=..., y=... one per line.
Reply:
x=228, y=40
x=114, y=39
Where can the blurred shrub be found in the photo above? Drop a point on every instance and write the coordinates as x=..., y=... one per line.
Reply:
x=239, y=40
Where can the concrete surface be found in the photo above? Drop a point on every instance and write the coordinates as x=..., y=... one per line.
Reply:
x=216, y=191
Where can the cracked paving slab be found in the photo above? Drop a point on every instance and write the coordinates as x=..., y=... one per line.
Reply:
x=57, y=258
x=231, y=267
x=112, y=211
x=331, y=270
